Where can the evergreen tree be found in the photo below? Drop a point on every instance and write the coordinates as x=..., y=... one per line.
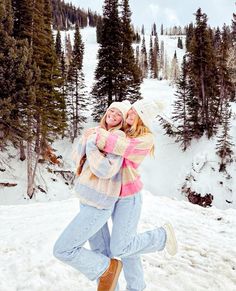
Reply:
x=19, y=93
x=155, y=57
x=225, y=85
x=117, y=75
x=68, y=50
x=189, y=35
x=162, y=60
x=76, y=95
x=99, y=29
x=232, y=59
x=180, y=43
x=58, y=45
x=166, y=70
x=224, y=143
x=143, y=59
x=137, y=56
x=106, y=88
x=130, y=75
x=174, y=74
x=151, y=57
x=162, y=30
x=142, y=30
x=180, y=112
x=217, y=39
x=154, y=29
x=202, y=70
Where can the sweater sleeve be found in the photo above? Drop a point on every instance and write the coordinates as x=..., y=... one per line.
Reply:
x=79, y=151
x=128, y=148
x=101, y=165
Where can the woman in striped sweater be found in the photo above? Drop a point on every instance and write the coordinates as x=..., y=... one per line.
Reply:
x=124, y=242
x=98, y=187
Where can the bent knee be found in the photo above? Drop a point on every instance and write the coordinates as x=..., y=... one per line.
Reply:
x=116, y=250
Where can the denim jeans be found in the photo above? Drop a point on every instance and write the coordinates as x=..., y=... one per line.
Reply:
x=69, y=246
x=125, y=243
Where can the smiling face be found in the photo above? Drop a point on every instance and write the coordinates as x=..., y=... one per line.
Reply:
x=113, y=117
x=131, y=116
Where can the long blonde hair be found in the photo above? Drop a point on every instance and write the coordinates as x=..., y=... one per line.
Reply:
x=138, y=128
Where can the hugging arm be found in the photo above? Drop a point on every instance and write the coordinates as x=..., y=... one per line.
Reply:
x=128, y=148
x=102, y=165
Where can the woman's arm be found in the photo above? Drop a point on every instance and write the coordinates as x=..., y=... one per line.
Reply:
x=79, y=151
x=130, y=148
x=102, y=166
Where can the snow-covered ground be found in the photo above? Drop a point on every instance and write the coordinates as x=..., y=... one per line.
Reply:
x=206, y=259
x=207, y=237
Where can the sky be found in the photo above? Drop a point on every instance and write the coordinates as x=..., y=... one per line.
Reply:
x=171, y=12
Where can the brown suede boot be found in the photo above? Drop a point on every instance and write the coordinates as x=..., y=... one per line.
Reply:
x=109, y=278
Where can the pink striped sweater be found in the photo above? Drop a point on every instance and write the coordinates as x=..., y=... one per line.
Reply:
x=133, y=150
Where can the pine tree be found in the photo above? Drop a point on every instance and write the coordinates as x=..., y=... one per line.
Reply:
x=68, y=50
x=174, y=73
x=143, y=59
x=58, y=45
x=15, y=60
x=202, y=70
x=51, y=121
x=117, y=75
x=99, y=29
x=20, y=93
x=151, y=57
x=162, y=55
x=189, y=35
x=143, y=30
x=76, y=94
x=106, y=88
x=224, y=143
x=154, y=29
x=130, y=75
x=162, y=30
x=166, y=70
x=180, y=43
x=180, y=112
x=232, y=59
x=225, y=85
x=155, y=57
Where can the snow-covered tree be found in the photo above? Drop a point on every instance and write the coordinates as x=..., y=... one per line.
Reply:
x=224, y=144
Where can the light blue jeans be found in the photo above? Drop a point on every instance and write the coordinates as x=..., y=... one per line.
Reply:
x=124, y=242
x=69, y=246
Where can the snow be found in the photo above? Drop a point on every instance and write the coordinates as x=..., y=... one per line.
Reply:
x=207, y=236
x=206, y=259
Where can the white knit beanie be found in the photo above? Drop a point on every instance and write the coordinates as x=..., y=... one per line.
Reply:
x=123, y=106
x=148, y=110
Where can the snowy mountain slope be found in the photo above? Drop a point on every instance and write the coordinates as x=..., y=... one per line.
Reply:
x=206, y=259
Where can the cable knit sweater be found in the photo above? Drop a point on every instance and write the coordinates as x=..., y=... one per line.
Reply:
x=133, y=150
x=99, y=182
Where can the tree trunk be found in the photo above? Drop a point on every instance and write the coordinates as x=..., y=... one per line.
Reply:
x=30, y=182
x=22, y=151
x=37, y=143
x=31, y=169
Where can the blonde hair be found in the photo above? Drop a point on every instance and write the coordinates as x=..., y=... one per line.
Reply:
x=138, y=129
x=103, y=124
